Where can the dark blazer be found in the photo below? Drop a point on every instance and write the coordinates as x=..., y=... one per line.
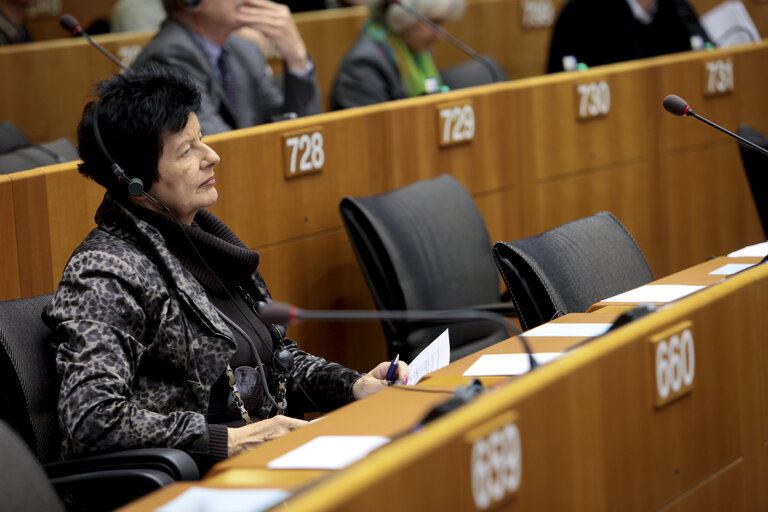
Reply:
x=141, y=345
x=366, y=76
x=259, y=98
x=600, y=32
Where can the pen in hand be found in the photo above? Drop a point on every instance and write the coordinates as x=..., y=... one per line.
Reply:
x=392, y=370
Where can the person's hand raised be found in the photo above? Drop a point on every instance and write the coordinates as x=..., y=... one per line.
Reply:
x=275, y=21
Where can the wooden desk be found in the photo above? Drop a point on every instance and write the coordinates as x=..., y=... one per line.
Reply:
x=698, y=275
x=587, y=421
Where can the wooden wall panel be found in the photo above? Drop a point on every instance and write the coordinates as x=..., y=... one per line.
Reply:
x=252, y=186
x=33, y=232
x=43, y=18
x=53, y=80
x=496, y=28
x=9, y=268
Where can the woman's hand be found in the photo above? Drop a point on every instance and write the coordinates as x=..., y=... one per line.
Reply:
x=375, y=381
x=242, y=439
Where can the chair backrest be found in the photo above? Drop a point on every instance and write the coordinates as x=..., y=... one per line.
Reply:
x=424, y=247
x=471, y=73
x=570, y=267
x=23, y=482
x=756, y=168
x=30, y=383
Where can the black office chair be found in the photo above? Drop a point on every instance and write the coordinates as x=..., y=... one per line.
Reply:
x=471, y=73
x=17, y=153
x=570, y=267
x=425, y=247
x=756, y=168
x=23, y=482
x=29, y=389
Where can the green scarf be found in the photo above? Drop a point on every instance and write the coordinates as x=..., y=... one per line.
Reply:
x=416, y=70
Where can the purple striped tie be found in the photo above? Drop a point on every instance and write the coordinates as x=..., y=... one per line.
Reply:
x=228, y=78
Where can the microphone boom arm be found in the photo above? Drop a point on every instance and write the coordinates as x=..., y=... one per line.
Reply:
x=281, y=313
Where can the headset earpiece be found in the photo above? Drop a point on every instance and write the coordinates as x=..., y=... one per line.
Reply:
x=135, y=185
x=190, y=4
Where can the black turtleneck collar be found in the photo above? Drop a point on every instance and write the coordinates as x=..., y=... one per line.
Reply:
x=221, y=249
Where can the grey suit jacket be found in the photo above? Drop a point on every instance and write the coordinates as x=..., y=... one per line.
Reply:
x=366, y=76
x=259, y=98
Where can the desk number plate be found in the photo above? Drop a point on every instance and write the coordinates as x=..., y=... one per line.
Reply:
x=673, y=360
x=455, y=123
x=303, y=152
x=496, y=460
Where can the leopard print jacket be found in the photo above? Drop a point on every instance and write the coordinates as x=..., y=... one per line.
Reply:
x=140, y=345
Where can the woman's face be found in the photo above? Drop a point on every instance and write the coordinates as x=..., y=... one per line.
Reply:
x=186, y=182
x=419, y=37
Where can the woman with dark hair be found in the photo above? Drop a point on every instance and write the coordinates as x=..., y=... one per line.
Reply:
x=160, y=339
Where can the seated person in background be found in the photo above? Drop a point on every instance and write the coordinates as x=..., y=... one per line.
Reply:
x=231, y=72
x=391, y=59
x=136, y=15
x=151, y=332
x=13, y=28
x=599, y=32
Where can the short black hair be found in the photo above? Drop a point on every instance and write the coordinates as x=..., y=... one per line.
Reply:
x=135, y=111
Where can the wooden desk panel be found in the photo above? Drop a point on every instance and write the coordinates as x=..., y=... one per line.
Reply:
x=623, y=189
x=487, y=163
x=706, y=192
x=53, y=80
x=686, y=78
x=587, y=422
x=9, y=269
x=252, y=187
x=561, y=144
x=54, y=208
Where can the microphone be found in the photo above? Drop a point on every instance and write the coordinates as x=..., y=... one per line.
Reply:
x=458, y=44
x=72, y=26
x=679, y=107
x=286, y=314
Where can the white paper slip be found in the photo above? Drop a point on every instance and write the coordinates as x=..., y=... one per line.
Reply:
x=565, y=329
x=655, y=293
x=435, y=356
x=758, y=250
x=731, y=268
x=203, y=499
x=507, y=364
x=729, y=24
x=328, y=452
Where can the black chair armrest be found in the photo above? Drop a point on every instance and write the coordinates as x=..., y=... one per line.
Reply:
x=502, y=308
x=177, y=464
x=108, y=489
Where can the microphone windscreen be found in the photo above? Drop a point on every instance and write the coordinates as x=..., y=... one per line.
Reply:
x=70, y=23
x=277, y=313
x=676, y=105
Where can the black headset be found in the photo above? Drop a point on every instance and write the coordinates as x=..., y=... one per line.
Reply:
x=190, y=4
x=135, y=185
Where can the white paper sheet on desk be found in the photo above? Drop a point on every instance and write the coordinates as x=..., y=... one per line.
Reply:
x=655, y=293
x=507, y=364
x=758, y=251
x=731, y=268
x=567, y=329
x=328, y=452
x=203, y=499
x=435, y=356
